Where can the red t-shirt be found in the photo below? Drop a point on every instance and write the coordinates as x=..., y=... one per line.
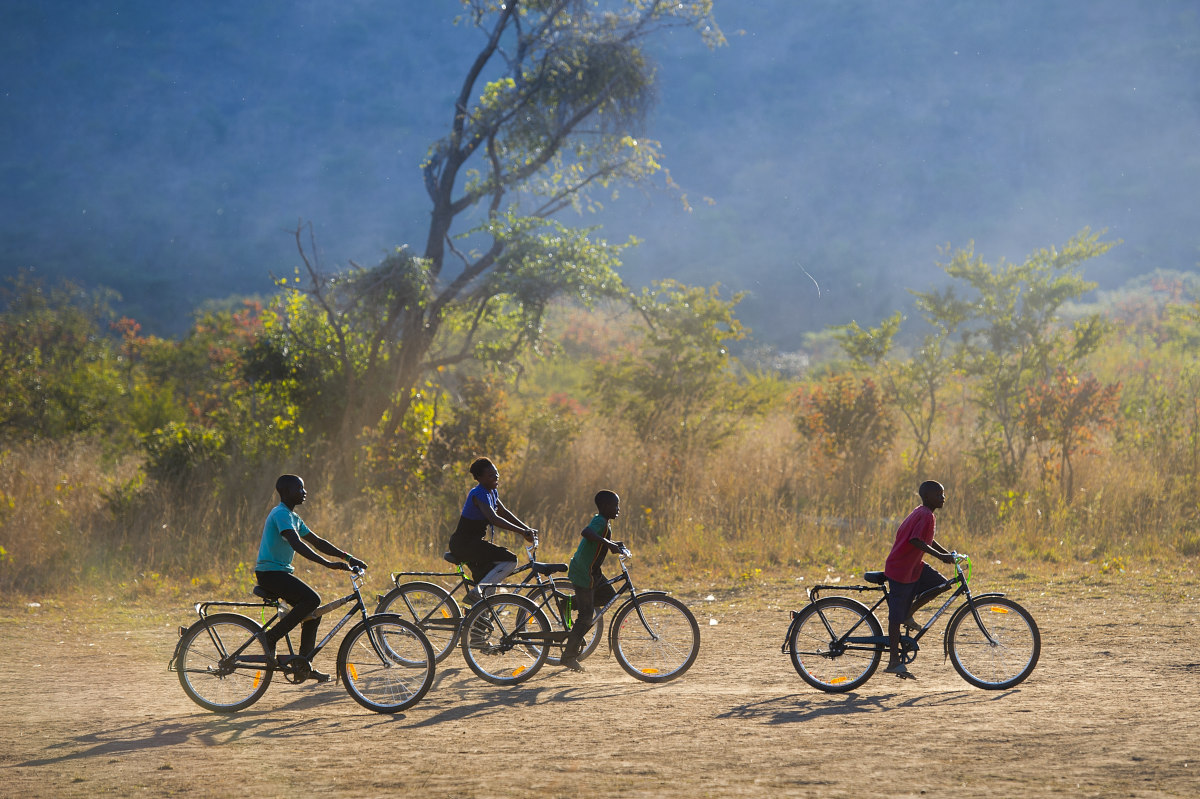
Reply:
x=904, y=561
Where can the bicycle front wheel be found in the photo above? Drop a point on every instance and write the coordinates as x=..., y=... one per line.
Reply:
x=820, y=653
x=431, y=608
x=386, y=663
x=548, y=601
x=655, y=638
x=1001, y=653
x=210, y=676
x=505, y=639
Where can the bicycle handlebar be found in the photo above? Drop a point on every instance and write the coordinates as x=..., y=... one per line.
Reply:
x=959, y=560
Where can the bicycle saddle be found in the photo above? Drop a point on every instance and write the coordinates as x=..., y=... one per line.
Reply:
x=449, y=557
x=547, y=568
x=263, y=593
x=875, y=578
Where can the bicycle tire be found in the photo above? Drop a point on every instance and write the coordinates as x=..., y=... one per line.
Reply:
x=431, y=608
x=554, y=615
x=655, y=638
x=503, y=639
x=386, y=663
x=208, y=678
x=816, y=655
x=1010, y=656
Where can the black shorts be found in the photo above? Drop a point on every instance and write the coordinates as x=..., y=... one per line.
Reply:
x=900, y=595
x=479, y=555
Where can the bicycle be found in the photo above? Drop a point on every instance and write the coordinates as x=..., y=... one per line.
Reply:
x=435, y=610
x=836, y=642
x=654, y=637
x=385, y=662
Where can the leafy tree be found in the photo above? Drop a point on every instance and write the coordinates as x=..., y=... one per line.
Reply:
x=1010, y=337
x=59, y=372
x=912, y=384
x=544, y=119
x=1063, y=414
x=678, y=387
x=848, y=419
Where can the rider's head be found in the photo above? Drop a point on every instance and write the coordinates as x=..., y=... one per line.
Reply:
x=933, y=494
x=485, y=472
x=291, y=490
x=608, y=504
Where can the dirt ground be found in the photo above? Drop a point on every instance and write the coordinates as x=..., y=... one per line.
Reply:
x=87, y=708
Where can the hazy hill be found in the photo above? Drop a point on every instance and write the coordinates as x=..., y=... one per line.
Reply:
x=166, y=150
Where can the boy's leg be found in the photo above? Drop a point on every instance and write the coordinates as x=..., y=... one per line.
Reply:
x=899, y=599
x=490, y=563
x=498, y=574
x=303, y=599
x=929, y=585
x=586, y=608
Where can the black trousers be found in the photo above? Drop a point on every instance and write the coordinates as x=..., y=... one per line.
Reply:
x=586, y=601
x=303, y=600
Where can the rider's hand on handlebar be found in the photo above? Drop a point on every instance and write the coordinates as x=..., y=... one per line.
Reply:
x=356, y=564
x=948, y=558
x=530, y=534
x=615, y=547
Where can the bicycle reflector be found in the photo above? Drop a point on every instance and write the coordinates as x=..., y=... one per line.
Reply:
x=649, y=671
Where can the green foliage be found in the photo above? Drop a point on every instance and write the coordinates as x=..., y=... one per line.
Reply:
x=1009, y=336
x=59, y=373
x=394, y=460
x=1063, y=414
x=847, y=418
x=480, y=424
x=180, y=452
x=679, y=387
x=912, y=384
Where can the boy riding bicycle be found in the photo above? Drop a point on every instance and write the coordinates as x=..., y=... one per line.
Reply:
x=911, y=581
x=591, y=586
x=488, y=562
x=285, y=534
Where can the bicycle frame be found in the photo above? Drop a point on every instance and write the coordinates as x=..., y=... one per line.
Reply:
x=909, y=643
x=355, y=596
x=623, y=587
x=535, y=574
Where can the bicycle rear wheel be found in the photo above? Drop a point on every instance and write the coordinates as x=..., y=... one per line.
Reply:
x=655, y=638
x=1008, y=657
x=386, y=663
x=821, y=657
x=545, y=598
x=431, y=608
x=209, y=676
x=505, y=639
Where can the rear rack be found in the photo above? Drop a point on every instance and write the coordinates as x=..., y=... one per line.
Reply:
x=816, y=589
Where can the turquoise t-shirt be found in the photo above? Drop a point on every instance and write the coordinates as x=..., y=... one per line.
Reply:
x=275, y=553
x=589, y=555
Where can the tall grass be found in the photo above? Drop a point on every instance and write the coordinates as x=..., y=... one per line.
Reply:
x=69, y=514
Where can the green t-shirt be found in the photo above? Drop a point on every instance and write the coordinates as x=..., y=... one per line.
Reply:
x=587, y=558
x=275, y=553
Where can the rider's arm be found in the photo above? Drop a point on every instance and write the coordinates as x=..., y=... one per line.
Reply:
x=305, y=546
x=496, y=520
x=592, y=535
x=933, y=548
x=509, y=516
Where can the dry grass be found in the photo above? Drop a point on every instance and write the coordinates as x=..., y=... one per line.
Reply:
x=762, y=502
